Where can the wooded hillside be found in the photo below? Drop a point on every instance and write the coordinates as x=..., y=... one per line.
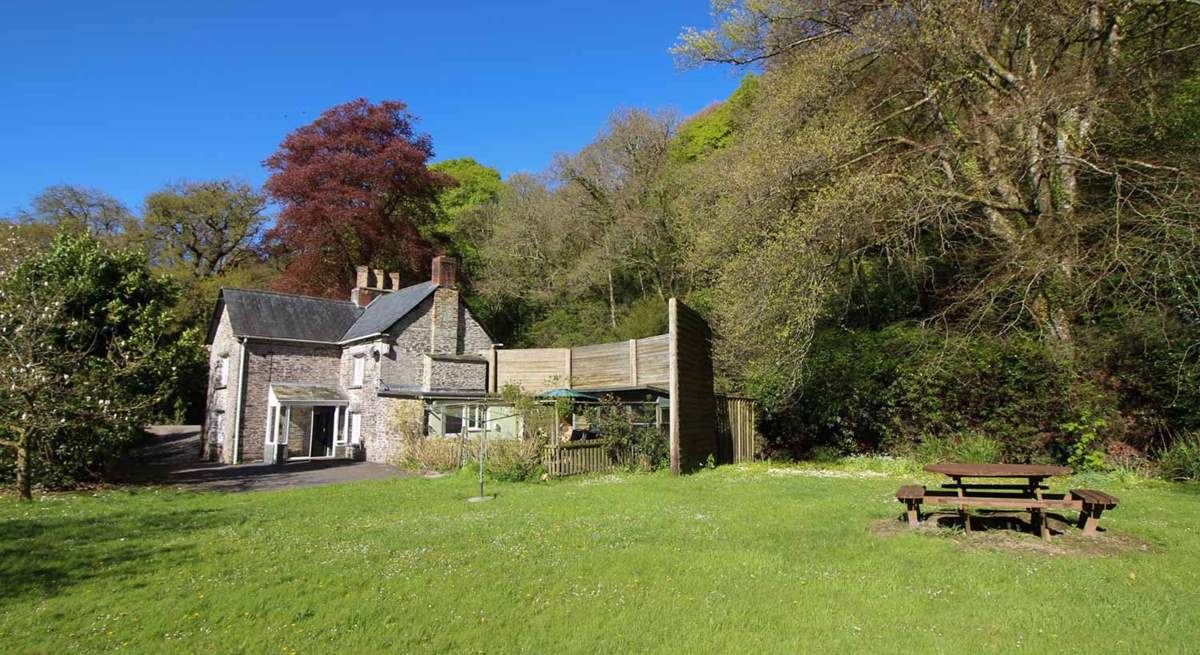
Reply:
x=915, y=226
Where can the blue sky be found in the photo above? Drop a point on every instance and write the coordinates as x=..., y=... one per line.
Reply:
x=127, y=96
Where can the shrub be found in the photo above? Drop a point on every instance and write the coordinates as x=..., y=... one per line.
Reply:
x=513, y=460
x=638, y=445
x=1182, y=460
x=909, y=389
x=977, y=449
x=419, y=450
x=970, y=448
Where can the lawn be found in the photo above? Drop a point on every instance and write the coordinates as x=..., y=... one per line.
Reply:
x=740, y=559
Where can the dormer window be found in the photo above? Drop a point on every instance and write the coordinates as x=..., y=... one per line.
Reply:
x=358, y=370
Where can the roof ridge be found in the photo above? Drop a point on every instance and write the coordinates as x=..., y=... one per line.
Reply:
x=287, y=295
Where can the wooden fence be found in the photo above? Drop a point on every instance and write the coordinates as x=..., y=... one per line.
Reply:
x=737, y=429
x=737, y=437
x=563, y=459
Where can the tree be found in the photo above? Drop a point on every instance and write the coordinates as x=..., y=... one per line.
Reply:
x=462, y=222
x=354, y=189
x=715, y=127
x=1005, y=150
x=205, y=227
x=83, y=359
x=599, y=227
x=79, y=209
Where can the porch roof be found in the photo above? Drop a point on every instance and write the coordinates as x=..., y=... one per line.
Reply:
x=309, y=393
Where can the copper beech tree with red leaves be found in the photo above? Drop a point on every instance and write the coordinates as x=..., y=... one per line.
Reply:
x=355, y=188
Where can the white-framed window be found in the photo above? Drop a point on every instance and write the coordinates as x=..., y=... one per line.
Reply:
x=222, y=372
x=460, y=417
x=355, y=428
x=358, y=371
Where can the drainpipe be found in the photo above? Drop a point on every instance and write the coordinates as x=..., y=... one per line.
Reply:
x=241, y=396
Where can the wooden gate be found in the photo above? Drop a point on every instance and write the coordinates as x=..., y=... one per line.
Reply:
x=737, y=429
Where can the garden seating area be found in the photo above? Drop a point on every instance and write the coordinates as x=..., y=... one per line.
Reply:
x=1030, y=496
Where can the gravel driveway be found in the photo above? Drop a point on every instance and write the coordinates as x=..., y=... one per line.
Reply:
x=171, y=458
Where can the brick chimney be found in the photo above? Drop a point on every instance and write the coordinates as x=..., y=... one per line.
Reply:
x=445, y=272
x=370, y=283
x=443, y=337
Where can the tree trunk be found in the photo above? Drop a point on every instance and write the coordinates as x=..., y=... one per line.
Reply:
x=612, y=301
x=24, y=481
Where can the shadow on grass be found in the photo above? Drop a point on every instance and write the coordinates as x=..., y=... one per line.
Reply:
x=44, y=556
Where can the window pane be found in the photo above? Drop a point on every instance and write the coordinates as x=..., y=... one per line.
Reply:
x=454, y=419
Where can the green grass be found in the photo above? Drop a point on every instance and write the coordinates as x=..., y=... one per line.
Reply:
x=740, y=559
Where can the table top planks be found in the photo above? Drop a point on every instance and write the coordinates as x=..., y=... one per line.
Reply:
x=956, y=470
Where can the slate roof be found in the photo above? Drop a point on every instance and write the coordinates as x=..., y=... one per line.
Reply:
x=384, y=311
x=273, y=315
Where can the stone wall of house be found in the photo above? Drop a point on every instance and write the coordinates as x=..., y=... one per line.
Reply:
x=364, y=400
x=220, y=400
x=447, y=310
x=404, y=366
x=472, y=340
x=446, y=373
x=392, y=421
x=271, y=362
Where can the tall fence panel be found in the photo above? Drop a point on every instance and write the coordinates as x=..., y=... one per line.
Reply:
x=737, y=429
x=693, y=407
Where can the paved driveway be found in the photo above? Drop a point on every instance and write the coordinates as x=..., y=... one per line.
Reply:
x=171, y=458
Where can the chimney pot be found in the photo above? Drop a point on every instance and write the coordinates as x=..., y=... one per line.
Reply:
x=377, y=283
x=362, y=277
x=395, y=277
x=445, y=271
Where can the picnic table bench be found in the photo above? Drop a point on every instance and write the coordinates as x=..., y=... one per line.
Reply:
x=1030, y=495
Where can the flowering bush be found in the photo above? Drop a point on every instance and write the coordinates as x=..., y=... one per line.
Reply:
x=84, y=358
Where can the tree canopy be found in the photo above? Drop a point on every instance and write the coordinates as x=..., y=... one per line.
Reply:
x=205, y=228
x=354, y=188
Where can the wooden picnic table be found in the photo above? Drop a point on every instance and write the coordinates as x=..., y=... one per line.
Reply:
x=1090, y=503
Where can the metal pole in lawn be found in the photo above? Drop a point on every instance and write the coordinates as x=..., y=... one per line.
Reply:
x=482, y=455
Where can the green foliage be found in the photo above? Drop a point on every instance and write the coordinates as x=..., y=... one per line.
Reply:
x=205, y=228
x=905, y=385
x=101, y=368
x=1181, y=461
x=715, y=127
x=970, y=448
x=1083, y=437
x=514, y=460
x=1183, y=115
x=640, y=446
x=460, y=225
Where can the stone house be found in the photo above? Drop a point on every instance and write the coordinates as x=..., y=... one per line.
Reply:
x=294, y=377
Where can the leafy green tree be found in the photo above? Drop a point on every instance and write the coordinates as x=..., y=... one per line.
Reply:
x=462, y=219
x=84, y=358
x=596, y=231
x=994, y=148
x=716, y=126
x=205, y=228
